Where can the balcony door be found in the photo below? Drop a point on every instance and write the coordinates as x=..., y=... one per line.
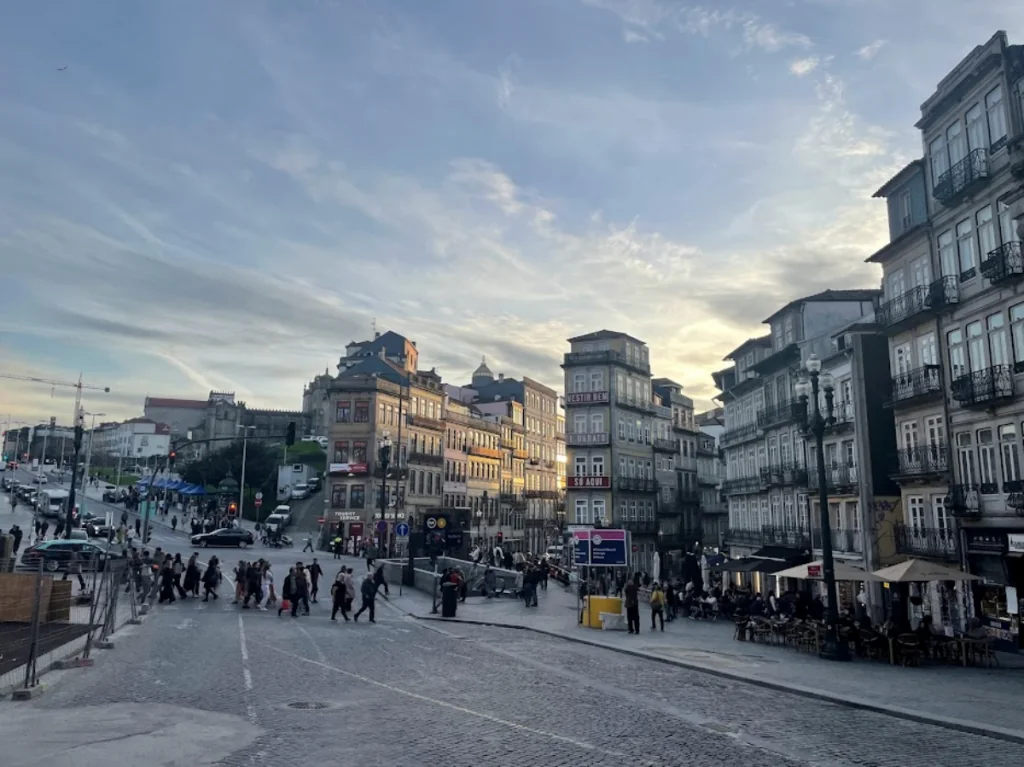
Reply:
x=956, y=144
x=894, y=285
x=916, y=514
x=997, y=343
x=909, y=435
x=902, y=359
x=921, y=272
x=977, y=353
x=935, y=432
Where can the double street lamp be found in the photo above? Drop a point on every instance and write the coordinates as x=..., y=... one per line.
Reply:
x=384, y=461
x=814, y=422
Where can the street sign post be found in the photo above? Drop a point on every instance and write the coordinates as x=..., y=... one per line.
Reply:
x=259, y=496
x=382, y=526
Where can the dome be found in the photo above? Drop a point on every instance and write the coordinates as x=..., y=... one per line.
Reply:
x=482, y=375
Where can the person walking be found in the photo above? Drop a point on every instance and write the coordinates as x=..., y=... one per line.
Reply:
x=378, y=580
x=177, y=570
x=338, y=596
x=369, y=592
x=350, y=590
x=75, y=569
x=300, y=590
x=657, y=605
x=315, y=571
x=286, y=591
x=211, y=578
x=633, y=607
x=269, y=597
x=309, y=544
x=192, y=576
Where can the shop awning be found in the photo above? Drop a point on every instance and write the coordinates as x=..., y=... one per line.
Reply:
x=771, y=566
x=742, y=565
x=781, y=553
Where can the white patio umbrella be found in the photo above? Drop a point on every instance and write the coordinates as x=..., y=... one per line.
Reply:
x=815, y=571
x=920, y=571
x=656, y=567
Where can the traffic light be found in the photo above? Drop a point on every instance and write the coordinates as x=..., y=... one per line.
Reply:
x=499, y=537
x=289, y=440
x=171, y=456
x=232, y=509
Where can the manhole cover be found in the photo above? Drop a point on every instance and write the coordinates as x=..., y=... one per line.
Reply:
x=309, y=705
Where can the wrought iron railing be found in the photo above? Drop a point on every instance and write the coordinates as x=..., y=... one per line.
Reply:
x=1004, y=263
x=779, y=413
x=981, y=387
x=839, y=477
x=935, y=542
x=961, y=177
x=742, y=484
x=666, y=445
x=637, y=485
x=920, y=382
x=738, y=434
x=783, y=474
x=964, y=500
x=923, y=459
x=938, y=295
x=604, y=357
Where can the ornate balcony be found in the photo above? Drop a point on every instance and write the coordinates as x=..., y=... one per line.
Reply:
x=916, y=302
x=983, y=387
x=847, y=541
x=739, y=485
x=1003, y=264
x=427, y=459
x=666, y=445
x=938, y=543
x=961, y=178
x=738, y=434
x=781, y=475
x=769, y=535
x=923, y=460
x=964, y=500
x=842, y=417
x=605, y=357
x=779, y=413
x=916, y=385
x=425, y=423
x=637, y=485
x=840, y=478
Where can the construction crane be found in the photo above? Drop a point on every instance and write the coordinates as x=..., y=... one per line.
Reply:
x=78, y=387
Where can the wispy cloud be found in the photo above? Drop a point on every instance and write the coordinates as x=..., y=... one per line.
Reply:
x=870, y=50
x=801, y=67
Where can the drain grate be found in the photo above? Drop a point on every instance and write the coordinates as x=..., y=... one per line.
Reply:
x=309, y=705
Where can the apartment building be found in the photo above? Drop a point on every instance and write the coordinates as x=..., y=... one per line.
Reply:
x=714, y=514
x=376, y=398
x=609, y=438
x=766, y=458
x=675, y=469
x=955, y=320
x=136, y=440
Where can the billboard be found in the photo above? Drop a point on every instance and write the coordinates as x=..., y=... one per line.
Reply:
x=600, y=548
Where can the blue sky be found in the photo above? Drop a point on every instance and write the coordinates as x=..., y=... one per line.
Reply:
x=223, y=194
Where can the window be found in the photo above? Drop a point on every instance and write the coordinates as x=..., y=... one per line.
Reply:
x=987, y=462
x=1009, y=457
x=338, y=496
x=905, y=212
x=1017, y=333
x=915, y=513
x=358, y=496
x=599, y=510
x=430, y=484
x=986, y=231
x=597, y=465
x=938, y=158
x=965, y=457
x=957, y=357
x=382, y=413
x=901, y=358
x=908, y=433
x=343, y=412
x=965, y=248
x=976, y=352
x=976, y=138
x=632, y=510
x=359, y=451
x=996, y=115
x=581, y=466
x=597, y=423
x=362, y=412
x=341, y=452
x=921, y=272
x=927, y=354
x=895, y=285
x=955, y=143
x=997, y=346
x=1006, y=223
x=942, y=520
x=597, y=381
x=935, y=430
x=776, y=511
x=947, y=254
x=790, y=513
x=419, y=486
x=579, y=423
x=582, y=512
x=790, y=338
x=579, y=382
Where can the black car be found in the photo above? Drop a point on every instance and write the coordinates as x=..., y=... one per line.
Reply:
x=55, y=555
x=228, y=536
x=111, y=496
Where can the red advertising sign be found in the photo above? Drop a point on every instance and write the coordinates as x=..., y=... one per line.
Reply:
x=813, y=571
x=355, y=529
x=346, y=468
x=588, y=482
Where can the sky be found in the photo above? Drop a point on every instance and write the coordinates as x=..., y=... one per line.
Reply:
x=201, y=195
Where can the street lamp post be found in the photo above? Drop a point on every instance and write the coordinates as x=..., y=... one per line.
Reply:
x=88, y=458
x=241, y=482
x=69, y=517
x=384, y=461
x=814, y=423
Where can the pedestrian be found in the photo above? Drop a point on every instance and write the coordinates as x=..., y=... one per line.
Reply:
x=269, y=597
x=369, y=592
x=371, y=555
x=350, y=590
x=338, y=596
x=192, y=576
x=174, y=523
x=138, y=527
x=16, y=532
x=300, y=590
x=286, y=591
x=59, y=531
x=177, y=570
x=315, y=571
x=75, y=569
x=167, y=581
x=337, y=546
x=240, y=570
x=633, y=607
x=211, y=578
x=253, y=585
x=309, y=544
x=378, y=580
x=657, y=605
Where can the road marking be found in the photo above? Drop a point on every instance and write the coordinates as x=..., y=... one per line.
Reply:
x=250, y=708
x=582, y=744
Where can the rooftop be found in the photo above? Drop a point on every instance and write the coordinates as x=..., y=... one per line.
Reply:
x=172, y=402
x=604, y=335
x=855, y=294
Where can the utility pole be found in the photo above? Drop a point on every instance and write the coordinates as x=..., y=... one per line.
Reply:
x=88, y=459
x=70, y=514
x=241, y=483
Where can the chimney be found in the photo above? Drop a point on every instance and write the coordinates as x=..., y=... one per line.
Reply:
x=376, y=335
x=501, y=377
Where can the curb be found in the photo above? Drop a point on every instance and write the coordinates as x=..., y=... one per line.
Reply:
x=972, y=728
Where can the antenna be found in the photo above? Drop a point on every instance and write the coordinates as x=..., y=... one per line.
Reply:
x=373, y=325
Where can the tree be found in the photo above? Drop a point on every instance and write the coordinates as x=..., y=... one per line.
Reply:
x=260, y=468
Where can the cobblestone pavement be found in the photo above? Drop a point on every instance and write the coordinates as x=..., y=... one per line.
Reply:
x=407, y=692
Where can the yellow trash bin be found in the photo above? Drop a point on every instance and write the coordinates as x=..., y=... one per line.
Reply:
x=595, y=606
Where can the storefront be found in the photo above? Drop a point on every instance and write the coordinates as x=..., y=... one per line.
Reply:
x=998, y=557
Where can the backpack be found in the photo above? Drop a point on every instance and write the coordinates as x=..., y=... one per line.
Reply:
x=657, y=599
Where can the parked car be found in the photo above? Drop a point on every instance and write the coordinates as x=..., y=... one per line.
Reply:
x=300, y=491
x=227, y=536
x=55, y=555
x=111, y=495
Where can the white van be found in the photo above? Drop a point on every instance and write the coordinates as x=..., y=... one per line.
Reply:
x=52, y=503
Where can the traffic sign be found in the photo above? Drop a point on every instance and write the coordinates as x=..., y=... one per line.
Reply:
x=259, y=496
x=382, y=526
x=258, y=502
x=401, y=529
x=431, y=522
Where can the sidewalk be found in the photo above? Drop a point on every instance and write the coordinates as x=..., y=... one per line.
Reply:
x=985, y=701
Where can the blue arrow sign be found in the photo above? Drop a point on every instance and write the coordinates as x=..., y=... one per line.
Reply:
x=401, y=529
